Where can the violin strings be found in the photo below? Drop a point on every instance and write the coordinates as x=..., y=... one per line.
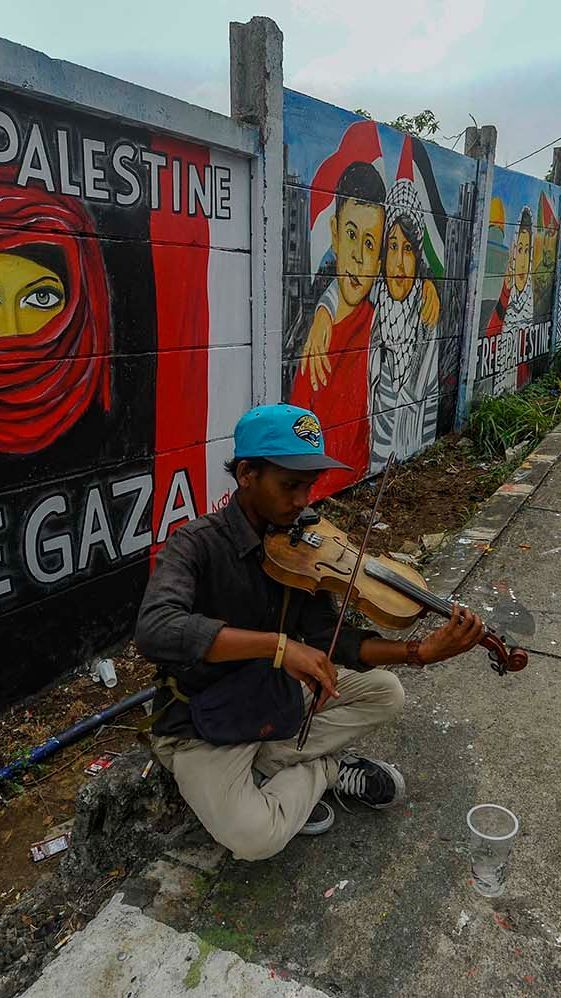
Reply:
x=348, y=531
x=408, y=588
x=304, y=731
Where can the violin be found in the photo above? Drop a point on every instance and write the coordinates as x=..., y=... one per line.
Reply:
x=391, y=594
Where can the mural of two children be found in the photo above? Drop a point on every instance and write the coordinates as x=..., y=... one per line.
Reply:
x=379, y=232
x=369, y=366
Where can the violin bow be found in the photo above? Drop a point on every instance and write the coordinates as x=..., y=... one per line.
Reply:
x=305, y=729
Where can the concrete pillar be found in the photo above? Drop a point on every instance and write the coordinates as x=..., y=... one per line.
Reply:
x=256, y=94
x=471, y=142
x=555, y=341
x=557, y=165
x=480, y=143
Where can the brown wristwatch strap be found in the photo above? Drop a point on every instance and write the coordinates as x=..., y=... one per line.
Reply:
x=413, y=654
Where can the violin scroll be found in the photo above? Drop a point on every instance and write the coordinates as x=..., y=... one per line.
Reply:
x=504, y=659
x=517, y=659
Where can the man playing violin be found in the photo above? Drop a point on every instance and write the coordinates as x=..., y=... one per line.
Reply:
x=213, y=620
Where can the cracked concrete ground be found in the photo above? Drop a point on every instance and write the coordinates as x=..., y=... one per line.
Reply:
x=404, y=919
x=123, y=952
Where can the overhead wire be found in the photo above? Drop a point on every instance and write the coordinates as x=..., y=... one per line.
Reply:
x=458, y=137
x=515, y=161
x=530, y=154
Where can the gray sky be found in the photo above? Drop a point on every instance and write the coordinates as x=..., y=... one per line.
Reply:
x=496, y=59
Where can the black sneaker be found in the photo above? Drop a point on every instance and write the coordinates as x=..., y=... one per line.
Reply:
x=320, y=820
x=376, y=784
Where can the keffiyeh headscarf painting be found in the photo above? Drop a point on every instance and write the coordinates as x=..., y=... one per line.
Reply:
x=520, y=307
x=54, y=317
x=400, y=295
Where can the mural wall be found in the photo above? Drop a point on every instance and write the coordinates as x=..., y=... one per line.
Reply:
x=121, y=255
x=515, y=333
x=125, y=334
x=377, y=239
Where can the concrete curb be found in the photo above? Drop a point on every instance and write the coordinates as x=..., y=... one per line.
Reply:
x=124, y=952
x=452, y=565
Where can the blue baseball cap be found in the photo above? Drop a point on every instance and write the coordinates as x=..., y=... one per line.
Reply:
x=285, y=435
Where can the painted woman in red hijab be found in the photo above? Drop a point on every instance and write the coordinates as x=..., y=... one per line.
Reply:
x=54, y=317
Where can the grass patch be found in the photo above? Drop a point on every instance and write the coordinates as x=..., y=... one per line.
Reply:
x=193, y=978
x=503, y=421
x=219, y=937
x=203, y=882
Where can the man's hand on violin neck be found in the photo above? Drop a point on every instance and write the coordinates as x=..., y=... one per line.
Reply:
x=311, y=666
x=463, y=631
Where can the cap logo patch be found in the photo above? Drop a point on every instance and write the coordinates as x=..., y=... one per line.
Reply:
x=307, y=428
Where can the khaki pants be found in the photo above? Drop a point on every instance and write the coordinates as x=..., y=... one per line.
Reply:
x=255, y=823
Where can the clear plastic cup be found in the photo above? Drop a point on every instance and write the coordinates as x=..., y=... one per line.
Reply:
x=493, y=829
x=106, y=672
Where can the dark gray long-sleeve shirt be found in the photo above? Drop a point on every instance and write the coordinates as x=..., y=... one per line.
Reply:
x=209, y=575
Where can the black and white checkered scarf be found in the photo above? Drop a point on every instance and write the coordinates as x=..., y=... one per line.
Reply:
x=520, y=308
x=400, y=320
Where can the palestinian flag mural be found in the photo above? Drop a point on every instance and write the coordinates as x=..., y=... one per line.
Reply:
x=546, y=218
x=435, y=216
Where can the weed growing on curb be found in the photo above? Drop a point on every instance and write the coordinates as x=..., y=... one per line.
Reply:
x=503, y=421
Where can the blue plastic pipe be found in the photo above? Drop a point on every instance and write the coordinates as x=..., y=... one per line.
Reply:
x=76, y=732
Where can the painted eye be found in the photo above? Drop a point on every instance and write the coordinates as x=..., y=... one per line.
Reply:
x=46, y=297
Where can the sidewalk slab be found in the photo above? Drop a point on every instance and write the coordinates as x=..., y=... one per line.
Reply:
x=463, y=552
x=549, y=496
x=519, y=586
x=124, y=954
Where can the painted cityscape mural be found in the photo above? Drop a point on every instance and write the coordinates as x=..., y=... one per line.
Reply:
x=515, y=332
x=377, y=235
x=120, y=254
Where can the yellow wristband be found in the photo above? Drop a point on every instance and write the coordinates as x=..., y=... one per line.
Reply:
x=279, y=654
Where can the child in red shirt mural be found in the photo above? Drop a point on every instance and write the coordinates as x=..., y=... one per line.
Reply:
x=357, y=229
x=514, y=310
x=333, y=378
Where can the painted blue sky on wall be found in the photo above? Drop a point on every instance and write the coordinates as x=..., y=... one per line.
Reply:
x=313, y=129
x=516, y=190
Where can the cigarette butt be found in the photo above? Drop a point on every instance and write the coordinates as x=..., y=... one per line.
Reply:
x=147, y=769
x=63, y=941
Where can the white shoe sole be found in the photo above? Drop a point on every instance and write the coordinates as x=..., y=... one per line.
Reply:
x=319, y=827
x=313, y=828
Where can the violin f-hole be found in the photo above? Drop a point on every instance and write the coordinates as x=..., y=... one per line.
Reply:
x=333, y=568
